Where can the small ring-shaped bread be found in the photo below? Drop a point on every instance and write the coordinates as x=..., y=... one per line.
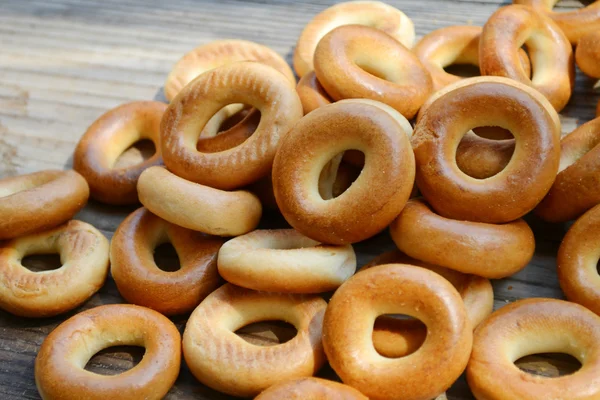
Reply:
x=518, y=188
x=310, y=388
x=60, y=363
x=374, y=14
x=511, y=27
x=373, y=200
x=587, y=52
x=355, y=61
x=39, y=201
x=534, y=326
x=198, y=207
x=397, y=289
x=224, y=361
x=107, y=138
x=250, y=83
x=139, y=279
x=285, y=261
x=312, y=94
x=84, y=256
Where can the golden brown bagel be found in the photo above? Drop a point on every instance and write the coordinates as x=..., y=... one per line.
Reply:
x=375, y=14
x=310, y=389
x=215, y=54
x=139, y=279
x=519, y=187
x=84, y=257
x=488, y=250
x=198, y=207
x=107, y=138
x=59, y=365
x=393, y=289
x=250, y=83
x=39, y=201
x=577, y=185
x=511, y=27
x=312, y=94
x=355, y=61
x=373, y=200
x=587, y=53
x=533, y=326
x=224, y=361
x=575, y=24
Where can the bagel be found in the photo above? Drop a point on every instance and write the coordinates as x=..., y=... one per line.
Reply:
x=511, y=27
x=310, y=388
x=587, y=53
x=224, y=361
x=373, y=200
x=375, y=14
x=532, y=326
x=244, y=82
x=40, y=201
x=311, y=93
x=59, y=365
x=179, y=201
x=84, y=257
x=355, y=61
x=106, y=139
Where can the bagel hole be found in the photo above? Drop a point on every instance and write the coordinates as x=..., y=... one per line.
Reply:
x=137, y=153
x=463, y=70
x=551, y=365
x=340, y=173
x=166, y=258
x=482, y=159
x=398, y=335
x=372, y=70
x=229, y=133
x=267, y=333
x=41, y=262
x=115, y=360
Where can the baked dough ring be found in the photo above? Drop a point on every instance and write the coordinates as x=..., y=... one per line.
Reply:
x=139, y=279
x=312, y=94
x=224, y=361
x=107, y=138
x=244, y=82
x=373, y=200
x=393, y=289
x=215, y=54
x=374, y=14
x=519, y=187
x=577, y=185
x=310, y=388
x=60, y=363
x=198, y=207
x=355, y=61
x=488, y=250
x=587, y=53
x=575, y=24
x=285, y=261
x=551, y=54
x=39, y=201
x=533, y=326
x=84, y=257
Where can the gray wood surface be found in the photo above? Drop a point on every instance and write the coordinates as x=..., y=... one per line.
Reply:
x=65, y=62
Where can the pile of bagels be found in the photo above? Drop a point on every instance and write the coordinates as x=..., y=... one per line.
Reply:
x=338, y=156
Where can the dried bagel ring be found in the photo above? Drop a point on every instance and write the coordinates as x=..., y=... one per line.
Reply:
x=84, y=256
x=355, y=61
x=224, y=361
x=215, y=54
x=488, y=250
x=106, y=139
x=141, y=282
x=311, y=93
x=245, y=82
x=374, y=14
x=394, y=289
x=310, y=388
x=285, y=261
x=577, y=185
x=373, y=200
x=198, y=207
x=533, y=326
x=519, y=187
x=59, y=365
x=511, y=27
x=39, y=201
x=587, y=53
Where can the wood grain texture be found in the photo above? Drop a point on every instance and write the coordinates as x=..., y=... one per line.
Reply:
x=65, y=62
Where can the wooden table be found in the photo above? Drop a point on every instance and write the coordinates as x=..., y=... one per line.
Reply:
x=65, y=62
